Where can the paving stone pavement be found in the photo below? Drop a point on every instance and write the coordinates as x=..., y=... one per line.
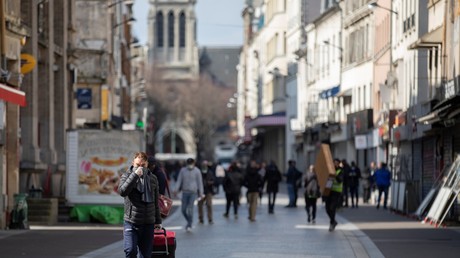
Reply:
x=363, y=232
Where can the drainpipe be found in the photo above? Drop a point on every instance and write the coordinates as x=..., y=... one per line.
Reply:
x=2, y=34
x=443, y=45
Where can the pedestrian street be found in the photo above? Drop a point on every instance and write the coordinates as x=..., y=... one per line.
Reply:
x=283, y=234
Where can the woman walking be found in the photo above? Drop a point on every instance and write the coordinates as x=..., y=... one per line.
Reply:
x=311, y=194
x=272, y=177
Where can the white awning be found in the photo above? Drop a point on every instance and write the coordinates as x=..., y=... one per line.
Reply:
x=431, y=39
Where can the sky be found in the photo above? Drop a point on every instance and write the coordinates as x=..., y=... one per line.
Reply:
x=219, y=22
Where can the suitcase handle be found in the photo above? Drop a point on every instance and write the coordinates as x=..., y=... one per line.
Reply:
x=158, y=231
x=162, y=231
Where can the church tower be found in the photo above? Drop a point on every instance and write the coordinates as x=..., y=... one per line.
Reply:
x=172, y=39
x=173, y=58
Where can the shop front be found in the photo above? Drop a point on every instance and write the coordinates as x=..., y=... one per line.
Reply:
x=269, y=139
x=360, y=125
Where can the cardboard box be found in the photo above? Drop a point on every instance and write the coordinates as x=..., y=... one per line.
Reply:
x=325, y=169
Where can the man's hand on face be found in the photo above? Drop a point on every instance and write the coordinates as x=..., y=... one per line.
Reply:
x=139, y=171
x=139, y=163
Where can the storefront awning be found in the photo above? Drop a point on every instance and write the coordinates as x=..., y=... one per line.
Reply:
x=12, y=95
x=267, y=120
x=345, y=93
x=332, y=92
x=434, y=116
x=430, y=39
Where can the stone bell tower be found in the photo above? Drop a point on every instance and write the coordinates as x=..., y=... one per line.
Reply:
x=172, y=38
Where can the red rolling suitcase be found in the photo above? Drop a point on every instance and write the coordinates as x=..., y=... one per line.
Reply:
x=164, y=243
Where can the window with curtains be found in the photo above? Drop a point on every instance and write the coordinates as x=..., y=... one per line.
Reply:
x=160, y=24
x=170, y=29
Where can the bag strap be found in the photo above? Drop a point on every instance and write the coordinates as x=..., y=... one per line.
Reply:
x=167, y=184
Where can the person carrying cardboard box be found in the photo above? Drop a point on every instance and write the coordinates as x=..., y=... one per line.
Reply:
x=332, y=200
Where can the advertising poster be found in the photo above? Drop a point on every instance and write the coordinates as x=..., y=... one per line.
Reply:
x=96, y=161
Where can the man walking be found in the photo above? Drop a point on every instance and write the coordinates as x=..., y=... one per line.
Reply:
x=332, y=201
x=190, y=182
x=208, y=185
x=272, y=177
x=292, y=176
x=382, y=178
x=252, y=181
x=353, y=183
x=139, y=187
x=343, y=202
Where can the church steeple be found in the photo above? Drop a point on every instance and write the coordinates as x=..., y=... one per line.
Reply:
x=172, y=34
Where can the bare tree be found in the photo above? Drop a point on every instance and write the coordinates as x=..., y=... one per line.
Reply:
x=201, y=105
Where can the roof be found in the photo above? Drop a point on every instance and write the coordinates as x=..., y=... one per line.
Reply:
x=220, y=63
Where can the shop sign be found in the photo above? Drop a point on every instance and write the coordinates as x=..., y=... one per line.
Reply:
x=84, y=98
x=360, y=122
x=449, y=89
x=361, y=142
x=28, y=63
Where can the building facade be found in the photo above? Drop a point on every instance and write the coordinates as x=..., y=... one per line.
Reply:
x=13, y=35
x=381, y=84
x=324, y=69
x=62, y=54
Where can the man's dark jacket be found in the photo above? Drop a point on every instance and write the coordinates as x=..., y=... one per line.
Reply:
x=208, y=182
x=292, y=175
x=252, y=180
x=136, y=210
x=273, y=177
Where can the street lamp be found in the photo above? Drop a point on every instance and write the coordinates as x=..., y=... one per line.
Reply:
x=326, y=42
x=375, y=5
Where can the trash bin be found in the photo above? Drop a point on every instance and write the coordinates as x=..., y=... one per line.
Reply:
x=20, y=212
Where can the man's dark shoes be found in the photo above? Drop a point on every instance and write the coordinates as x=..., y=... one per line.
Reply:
x=332, y=226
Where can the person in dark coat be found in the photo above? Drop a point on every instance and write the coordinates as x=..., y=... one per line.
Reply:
x=292, y=177
x=158, y=171
x=262, y=172
x=312, y=193
x=353, y=183
x=232, y=186
x=208, y=186
x=272, y=178
x=253, y=181
x=344, y=197
x=139, y=187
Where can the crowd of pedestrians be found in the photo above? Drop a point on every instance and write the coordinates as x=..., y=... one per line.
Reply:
x=146, y=179
x=259, y=178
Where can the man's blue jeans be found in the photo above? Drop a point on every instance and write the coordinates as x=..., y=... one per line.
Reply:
x=187, y=206
x=138, y=236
